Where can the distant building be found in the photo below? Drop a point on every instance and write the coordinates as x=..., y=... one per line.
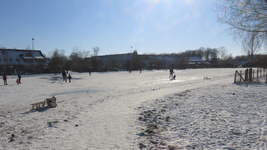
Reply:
x=118, y=61
x=160, y=61
x=14, y=59
x=242, y=63
x=195, y=62
x=150, y=61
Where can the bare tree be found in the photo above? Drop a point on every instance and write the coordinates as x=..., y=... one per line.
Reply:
x=94, y=59
x=58, y=60
x=213, y=55
x=243, y=16
x=96, y=50
x=81, y=53
x=223, y=52
x=207, y=54
x=251, y=44
x=77, y=59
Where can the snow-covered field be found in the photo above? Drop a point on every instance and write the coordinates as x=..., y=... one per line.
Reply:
x=118, y=110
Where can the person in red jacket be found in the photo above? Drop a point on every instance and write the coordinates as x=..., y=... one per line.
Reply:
x=5, y=79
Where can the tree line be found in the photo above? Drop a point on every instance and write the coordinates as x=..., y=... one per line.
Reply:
x=246, y=21
x=217, y=57
x=76, y=61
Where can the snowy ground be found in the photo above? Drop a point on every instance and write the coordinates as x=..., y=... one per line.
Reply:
x=118, y=110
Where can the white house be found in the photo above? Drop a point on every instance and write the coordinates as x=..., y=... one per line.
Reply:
x=21, y=59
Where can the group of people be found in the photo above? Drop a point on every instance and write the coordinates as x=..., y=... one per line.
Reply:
x=17, y=81
x=64, y=75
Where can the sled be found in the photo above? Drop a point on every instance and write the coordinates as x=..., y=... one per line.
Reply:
x=50, y=102
x=207, y=78
x=38, y=105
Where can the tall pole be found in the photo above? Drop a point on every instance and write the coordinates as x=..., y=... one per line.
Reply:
x=131, y=59
x=33, y=56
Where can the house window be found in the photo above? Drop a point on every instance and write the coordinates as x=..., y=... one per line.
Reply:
x=17, y=60
x=5, y=59
x=10, y=59
x=28, y=60
x=0, y=59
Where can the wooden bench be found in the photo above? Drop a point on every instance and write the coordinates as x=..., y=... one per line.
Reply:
x=38, y=105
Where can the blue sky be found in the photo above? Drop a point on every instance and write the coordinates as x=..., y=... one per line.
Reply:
x=149, y=26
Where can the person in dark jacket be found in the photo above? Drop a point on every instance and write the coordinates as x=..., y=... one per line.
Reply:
x=89, y=72
x=19, y=76
x=69, y=78
x=64, y=76
x=171, y=71
x=5, y=79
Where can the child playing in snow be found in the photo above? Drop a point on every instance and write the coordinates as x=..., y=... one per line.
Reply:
x=5, y=79
x=17, y=81
x=69, y=78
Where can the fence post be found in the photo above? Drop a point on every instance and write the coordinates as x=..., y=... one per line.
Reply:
x=257, y=75
x=242, y=78
x=240, y=75
x=246, y=75
x=253, y=73
x=250, y=75
x=235, y=77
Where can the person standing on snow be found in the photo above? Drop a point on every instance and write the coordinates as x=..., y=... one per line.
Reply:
x=17, y=81
x=69, y=78
x=64, y=75
x=89, y=72
x=171, y=71
x=19, y=76
x=5, y=79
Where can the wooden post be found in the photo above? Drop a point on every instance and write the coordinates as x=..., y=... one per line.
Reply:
x=246, y=75
x=240, y=75
x=250, y=75
x=235, y=77
x=257, y=75
x=253, y=73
